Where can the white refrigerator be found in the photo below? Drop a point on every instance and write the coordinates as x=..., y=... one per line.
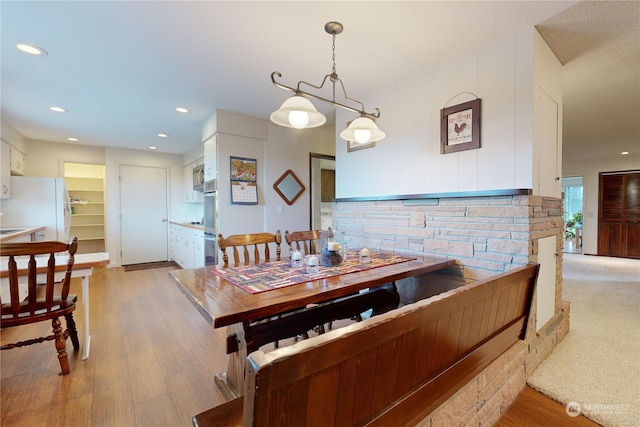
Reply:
x=37, y=202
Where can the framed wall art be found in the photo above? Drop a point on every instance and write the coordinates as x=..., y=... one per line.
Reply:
x=244, y=189
x=460, y=127
x=289, y=187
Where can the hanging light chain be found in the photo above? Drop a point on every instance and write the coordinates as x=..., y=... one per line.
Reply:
x=333, y=57
x=333, y=28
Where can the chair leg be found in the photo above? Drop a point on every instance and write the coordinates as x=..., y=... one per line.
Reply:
x=73, y=332
x=61, y=346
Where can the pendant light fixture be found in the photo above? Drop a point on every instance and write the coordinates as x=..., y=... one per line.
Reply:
x=298, y=112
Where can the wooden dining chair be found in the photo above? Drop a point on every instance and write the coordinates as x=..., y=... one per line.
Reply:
x=247, y=242
x=307, y=241
x=243, y=243
x=43, y=301
x=310, y=243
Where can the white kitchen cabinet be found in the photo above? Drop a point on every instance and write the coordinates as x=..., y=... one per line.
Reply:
x=190, y=195
x=5, y=171
x=173, y=242
x=186, y=246
x=210, y=158
x=12, y=165
x=197, y=238
x=17, y=162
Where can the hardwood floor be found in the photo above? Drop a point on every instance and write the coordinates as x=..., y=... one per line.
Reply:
x=152, y=363
x=152, y=360
x=533, y=409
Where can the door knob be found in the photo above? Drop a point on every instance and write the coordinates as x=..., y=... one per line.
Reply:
x=165, y=219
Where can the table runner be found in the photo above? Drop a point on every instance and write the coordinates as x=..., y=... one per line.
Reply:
x=257, y=278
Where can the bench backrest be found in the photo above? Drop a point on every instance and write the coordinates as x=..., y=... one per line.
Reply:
x=393, y=369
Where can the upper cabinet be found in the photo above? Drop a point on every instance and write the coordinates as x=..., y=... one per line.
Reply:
x=210, y=158
x=12, y=163
x=17, y=162
x=5, y=171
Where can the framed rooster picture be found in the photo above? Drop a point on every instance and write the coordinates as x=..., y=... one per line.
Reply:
x=460, y=127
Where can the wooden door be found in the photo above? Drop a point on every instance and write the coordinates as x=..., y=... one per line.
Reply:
x=328, y=186
x=619, y=220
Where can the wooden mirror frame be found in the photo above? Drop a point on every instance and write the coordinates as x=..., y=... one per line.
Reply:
x=283, y=187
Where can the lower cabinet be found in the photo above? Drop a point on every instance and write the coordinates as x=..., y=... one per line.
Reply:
x=186, y=246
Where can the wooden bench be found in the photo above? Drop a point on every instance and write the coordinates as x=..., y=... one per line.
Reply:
x=393, y=369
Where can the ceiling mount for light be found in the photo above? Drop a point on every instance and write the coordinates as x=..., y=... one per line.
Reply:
x=298, y=112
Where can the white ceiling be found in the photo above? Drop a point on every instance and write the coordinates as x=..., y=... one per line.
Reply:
x=122, y=67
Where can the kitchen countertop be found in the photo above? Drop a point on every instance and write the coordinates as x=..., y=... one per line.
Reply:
x=19, y=232
x=188, y=225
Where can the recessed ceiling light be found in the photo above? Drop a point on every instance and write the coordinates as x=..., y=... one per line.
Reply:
x=182, y=110
x=163, y=135
x=31, y=49
x=152, y=147
x=58, y=109
x=624, y=153
x=72, y=139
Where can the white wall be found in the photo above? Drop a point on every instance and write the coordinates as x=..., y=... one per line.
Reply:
x=289, y=149
x=11, y=135
x=408, y=161
x=196, y=153
x=236, y=218
x=276, y=150
x=45, y=158
x=589, y=170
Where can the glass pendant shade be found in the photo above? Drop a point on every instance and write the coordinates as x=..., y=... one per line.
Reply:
x=299, y=113
x=362, y=130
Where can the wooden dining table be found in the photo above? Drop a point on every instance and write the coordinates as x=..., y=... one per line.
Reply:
x=224, y=304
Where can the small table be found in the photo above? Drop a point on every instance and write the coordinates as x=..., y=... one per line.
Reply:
x=222, y=303
x=82, y=267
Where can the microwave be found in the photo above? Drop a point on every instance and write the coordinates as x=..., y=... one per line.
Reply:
x=198, y=178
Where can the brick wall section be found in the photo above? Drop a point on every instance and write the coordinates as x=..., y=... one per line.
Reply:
x=486, y=236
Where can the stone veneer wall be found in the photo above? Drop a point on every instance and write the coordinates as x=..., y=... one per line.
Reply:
x=486, y=235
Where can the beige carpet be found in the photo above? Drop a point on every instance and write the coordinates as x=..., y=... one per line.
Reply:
x=596, y=368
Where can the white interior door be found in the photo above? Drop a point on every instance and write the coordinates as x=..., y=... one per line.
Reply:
x=143, y=214
x=550, y=149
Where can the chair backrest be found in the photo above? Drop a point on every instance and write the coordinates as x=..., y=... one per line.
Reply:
x=309, y=240
x=245, y=241
x=35, y=258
